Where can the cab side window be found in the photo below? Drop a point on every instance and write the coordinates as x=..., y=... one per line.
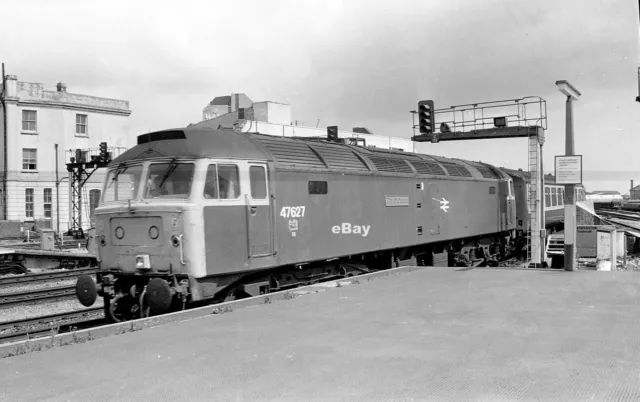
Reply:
x=258, y=179
x=211, y=183
x=228, y=182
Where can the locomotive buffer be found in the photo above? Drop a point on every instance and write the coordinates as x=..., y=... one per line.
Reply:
x=80, y=169
x=514, y=118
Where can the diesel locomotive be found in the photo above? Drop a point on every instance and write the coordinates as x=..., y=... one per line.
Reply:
x=189, y=216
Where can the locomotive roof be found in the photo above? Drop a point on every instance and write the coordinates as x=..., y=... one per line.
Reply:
x=298, y=153
x=193, y=143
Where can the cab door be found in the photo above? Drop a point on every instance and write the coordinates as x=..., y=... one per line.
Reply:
x=511, y=203
x=258, y=213
x=505, y=204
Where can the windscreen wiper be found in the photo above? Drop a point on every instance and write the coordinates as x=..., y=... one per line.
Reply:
x=121, y=169
x=170, y=170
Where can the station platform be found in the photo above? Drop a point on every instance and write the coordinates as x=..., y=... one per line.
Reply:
x=482, y=334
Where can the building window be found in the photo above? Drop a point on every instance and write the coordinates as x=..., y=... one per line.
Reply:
x=29, y=159
x=47, y=203
x=28, y=202
x=29, y=120
x=94, y=199
x=81, y=124
x=547, y=197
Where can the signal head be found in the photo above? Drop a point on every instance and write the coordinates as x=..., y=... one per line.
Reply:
x=332, y=133
x=426, y=119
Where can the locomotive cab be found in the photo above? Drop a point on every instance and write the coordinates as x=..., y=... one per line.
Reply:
x=158, y=221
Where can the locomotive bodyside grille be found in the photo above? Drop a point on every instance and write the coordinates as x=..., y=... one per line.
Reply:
x=456, y=170
x=340, y=157
x=292, y=153
x=428, y=168
x=390, y=164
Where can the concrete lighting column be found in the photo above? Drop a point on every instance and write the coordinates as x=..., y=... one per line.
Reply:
x=570, y=223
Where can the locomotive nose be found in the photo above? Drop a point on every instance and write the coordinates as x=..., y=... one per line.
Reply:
x=86, y=290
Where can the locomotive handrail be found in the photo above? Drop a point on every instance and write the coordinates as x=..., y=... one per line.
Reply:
x=181, y=250
x=247, y=224
x=273, y=219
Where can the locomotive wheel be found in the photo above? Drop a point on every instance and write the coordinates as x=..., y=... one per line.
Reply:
x=118, y=309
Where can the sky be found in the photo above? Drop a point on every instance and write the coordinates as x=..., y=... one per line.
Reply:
x=351, y=63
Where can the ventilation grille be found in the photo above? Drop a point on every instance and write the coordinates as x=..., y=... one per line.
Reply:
x=390, y=165
x=340, y=157
x=428, y=168
x=487, y=173
x=296, y=153
x=456, y=170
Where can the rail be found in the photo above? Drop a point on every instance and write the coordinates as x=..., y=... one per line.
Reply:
x=46, y=276
x=32, y=327
x=61, y=292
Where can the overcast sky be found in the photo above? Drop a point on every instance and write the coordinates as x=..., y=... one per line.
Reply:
x=350, y=63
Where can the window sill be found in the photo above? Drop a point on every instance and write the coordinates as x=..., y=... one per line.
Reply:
x=82, y=135
x=28, y=171
x=27, y=132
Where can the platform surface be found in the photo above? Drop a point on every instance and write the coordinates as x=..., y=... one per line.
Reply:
x=436, y=334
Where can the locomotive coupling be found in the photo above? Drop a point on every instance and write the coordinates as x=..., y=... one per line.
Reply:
x=87, y=290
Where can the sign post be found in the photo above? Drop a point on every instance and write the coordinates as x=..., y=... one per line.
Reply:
x=571, y=169
x=568, y=171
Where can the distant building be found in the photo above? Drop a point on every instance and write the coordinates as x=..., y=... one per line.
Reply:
x=33, y=120
x=634, y=193
x=240, y=113
x=221, y=105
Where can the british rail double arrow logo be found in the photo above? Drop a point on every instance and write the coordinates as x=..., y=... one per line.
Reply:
x=444, y=204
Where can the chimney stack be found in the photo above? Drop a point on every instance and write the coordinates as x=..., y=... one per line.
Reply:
x=632, y=184
x=62, y=87
x=11, y=90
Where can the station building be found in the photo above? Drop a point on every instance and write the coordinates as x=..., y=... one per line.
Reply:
x=41, y=129
x=238, y=112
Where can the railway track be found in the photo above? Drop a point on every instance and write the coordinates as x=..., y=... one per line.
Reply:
x=45, y=276
x=43, y=325
x=57, y=293
x=634, y=216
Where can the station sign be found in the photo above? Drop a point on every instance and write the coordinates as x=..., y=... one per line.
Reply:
x=568, y=169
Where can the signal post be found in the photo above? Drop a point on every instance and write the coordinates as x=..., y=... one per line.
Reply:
x=80, y=168
x=525, y=117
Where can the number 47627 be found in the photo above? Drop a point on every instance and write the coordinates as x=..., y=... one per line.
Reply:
x=292, y=212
